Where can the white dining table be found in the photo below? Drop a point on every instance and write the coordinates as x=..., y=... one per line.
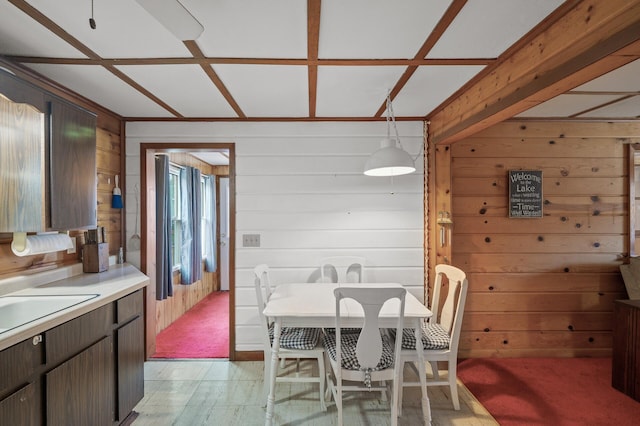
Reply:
x=314, y=305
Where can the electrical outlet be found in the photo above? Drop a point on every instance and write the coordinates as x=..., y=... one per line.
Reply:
x=251, y=240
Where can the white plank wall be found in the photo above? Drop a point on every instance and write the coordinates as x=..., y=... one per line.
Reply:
x=301, y=187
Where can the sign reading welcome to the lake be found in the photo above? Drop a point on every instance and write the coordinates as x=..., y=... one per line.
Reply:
x=525, y=193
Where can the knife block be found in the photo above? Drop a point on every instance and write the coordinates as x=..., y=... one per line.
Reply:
x=95, y=257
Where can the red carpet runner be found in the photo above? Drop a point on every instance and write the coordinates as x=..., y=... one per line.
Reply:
x=549, y=391
x=202, y=332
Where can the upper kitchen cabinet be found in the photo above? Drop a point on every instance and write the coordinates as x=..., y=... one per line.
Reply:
x=48, y=160
x=72, y=196
x=22, y=159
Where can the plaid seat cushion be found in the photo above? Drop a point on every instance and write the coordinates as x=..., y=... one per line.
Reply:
x=343, y=330
x=297, y=338
x=349, y=342
x=433, y=337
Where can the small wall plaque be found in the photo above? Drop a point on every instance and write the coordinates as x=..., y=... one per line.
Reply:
x=525, y=193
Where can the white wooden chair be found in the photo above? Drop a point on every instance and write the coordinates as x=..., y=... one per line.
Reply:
x=367, y=357
x=441, y=334
x=295, y=343
x=342, y=269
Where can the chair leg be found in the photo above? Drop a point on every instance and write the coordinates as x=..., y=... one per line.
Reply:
x=266, y=374
x=322, y=379
x=394, y=402
x=400, y=386
x=338, y=399
x=453, y=384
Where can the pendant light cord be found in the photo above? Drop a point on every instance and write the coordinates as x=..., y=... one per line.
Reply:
x=392, y=118
x=92, y=22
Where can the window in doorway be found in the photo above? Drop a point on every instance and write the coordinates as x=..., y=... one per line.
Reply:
x=176, y=216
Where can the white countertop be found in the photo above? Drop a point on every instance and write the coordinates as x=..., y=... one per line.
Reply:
x=118, y=281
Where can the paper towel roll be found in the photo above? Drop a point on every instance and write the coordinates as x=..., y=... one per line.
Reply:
x=45, y=243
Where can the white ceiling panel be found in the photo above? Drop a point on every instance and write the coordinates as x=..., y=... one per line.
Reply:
x=375, y=29
x=353, y=91
x=628, y=108
x=624, y=79
x=267, y=90
x=196, y=97
x=486, y=28
x=215, y=158
x=567, y=105
x=256, y=29
x=21, y=35
x=123, y=28
x=431, y=85
x=260, y=50
x=112, y=93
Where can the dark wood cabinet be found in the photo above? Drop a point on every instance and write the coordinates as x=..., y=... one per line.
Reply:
x=130, y=362
x=80, y=391
x=23, y=407
x=72, y=195
x=129, y=353
x=75, y=335
x=48, y=175
x=21, y=92
x=87, y=371
x=625, y=371
x=18, y=362
x=22, y=183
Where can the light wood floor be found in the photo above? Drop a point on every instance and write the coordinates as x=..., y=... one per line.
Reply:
x=218, y=392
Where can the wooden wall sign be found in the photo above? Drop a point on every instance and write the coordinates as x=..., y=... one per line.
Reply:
x=525, y=193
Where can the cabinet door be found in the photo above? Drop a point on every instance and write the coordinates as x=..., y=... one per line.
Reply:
x=23, y=407
x=73, y=198
x=81, y=391
x=130, y=358
x=22, y=165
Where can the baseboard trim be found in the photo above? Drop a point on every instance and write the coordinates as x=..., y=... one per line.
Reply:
x=249, y=356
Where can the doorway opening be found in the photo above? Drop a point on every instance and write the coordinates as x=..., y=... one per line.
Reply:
x=160, y=314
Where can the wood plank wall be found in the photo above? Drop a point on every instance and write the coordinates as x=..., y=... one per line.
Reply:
x=109, y=143
x=545, y=286
x=186, y=296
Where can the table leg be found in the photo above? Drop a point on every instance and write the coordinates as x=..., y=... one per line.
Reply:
x=275, y=348
x=426, y=406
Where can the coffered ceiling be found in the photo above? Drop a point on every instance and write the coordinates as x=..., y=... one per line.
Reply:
x=294, y=59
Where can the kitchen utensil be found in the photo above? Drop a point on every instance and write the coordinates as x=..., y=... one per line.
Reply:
x=116, y=200
x=134, y=241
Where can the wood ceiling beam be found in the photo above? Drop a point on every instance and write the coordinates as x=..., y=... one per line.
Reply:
x=442, y=25
x=213, y=76
x=591, y=39
x=251, y=61
x=313, y=41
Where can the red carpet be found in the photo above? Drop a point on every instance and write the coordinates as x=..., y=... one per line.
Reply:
x=549, y=391
x=202, y=332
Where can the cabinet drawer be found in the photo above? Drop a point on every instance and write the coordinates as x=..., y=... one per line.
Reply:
x=18, y=362
x=73, y=336
x=129, y=306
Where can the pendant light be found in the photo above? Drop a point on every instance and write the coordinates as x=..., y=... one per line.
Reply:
x=391, y=159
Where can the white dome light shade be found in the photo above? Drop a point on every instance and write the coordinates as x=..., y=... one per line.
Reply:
x=389, y=160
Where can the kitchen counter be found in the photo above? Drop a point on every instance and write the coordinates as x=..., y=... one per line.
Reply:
x=118, y=281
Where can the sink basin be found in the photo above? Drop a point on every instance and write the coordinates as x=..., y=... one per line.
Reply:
x=19, y=310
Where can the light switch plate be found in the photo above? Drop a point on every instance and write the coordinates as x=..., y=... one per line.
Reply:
x=250, y=240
